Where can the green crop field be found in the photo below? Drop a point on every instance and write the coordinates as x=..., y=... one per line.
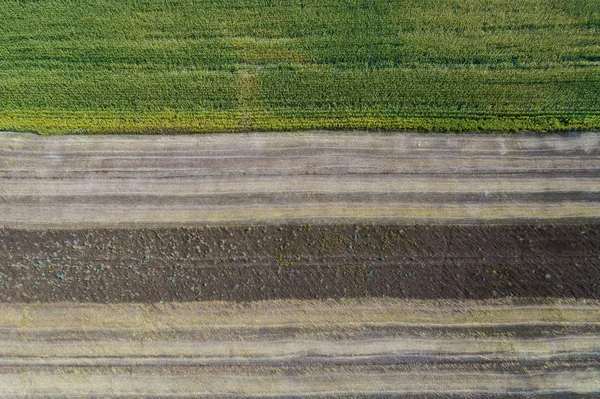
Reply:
x=143, y=66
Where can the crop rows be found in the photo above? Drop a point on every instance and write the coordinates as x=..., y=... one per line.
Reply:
x=234, y=65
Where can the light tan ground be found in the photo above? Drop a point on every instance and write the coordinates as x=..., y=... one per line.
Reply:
x=184, y=180
x=299, y=347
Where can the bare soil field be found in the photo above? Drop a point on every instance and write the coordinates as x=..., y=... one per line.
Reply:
x=348, y=348
x=258, y=262
x=112, y=181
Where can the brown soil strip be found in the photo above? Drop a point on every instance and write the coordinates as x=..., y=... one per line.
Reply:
x=290, y=261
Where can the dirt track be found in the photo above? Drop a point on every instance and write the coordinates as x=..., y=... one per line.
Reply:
x=110, y=181
x=288, y=348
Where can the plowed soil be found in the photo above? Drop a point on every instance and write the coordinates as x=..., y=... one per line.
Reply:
x=247, y=263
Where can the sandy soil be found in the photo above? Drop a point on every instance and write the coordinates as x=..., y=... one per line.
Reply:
x=109, y=181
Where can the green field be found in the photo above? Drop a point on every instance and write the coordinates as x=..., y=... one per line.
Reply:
x=142, y=66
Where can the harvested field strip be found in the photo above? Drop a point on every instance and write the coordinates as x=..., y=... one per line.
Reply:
x=94, y=215
x=323, y=314
x=92, y=306
x=332, y=348
x=187, y=180
x=285, y=201
x=345, y=385
x=283, y=348
x=293, y=185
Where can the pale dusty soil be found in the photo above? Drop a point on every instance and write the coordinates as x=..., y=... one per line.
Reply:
x=290, y=347
x=108, y=181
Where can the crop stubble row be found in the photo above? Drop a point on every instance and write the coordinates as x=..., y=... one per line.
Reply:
x=310, y=177
x=348, y=348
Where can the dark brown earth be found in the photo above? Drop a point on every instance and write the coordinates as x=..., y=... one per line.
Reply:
x=268, y=262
